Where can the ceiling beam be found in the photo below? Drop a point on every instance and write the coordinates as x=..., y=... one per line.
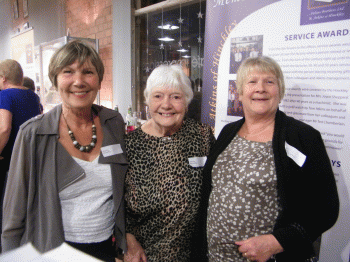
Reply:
x=164, y=4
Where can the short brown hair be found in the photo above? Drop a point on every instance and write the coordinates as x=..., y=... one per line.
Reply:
x=28, y=82
x=12, y=71
x=76, y=50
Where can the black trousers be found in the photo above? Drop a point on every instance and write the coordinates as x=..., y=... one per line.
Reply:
x=4, y=167
x=104, y=250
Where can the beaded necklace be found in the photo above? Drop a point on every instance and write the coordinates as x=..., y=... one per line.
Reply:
x=88, y=148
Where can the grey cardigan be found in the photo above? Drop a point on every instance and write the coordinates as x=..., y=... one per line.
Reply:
x=40, y=168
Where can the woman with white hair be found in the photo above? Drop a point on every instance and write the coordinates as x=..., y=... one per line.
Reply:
x=166, y=156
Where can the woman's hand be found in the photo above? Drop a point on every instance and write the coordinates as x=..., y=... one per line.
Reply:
x=135, y=252
x=260, y=248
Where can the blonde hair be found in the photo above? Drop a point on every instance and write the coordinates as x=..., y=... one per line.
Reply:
x=12, y=71
x=262, y=64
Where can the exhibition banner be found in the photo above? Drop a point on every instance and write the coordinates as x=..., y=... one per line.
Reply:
x=22, y=50
x=310, y=39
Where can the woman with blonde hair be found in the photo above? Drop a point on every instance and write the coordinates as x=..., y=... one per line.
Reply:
x=17, y=105
x=272, y=191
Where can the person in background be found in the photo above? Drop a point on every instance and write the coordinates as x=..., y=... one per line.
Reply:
x=238, y=56
x=194, y=107
x=17, y=105
x=29, y=83
x=233, y=64
x=66, y=182
x=245, y=52
x=166, y=155
x=253, y=53
x=273, y=191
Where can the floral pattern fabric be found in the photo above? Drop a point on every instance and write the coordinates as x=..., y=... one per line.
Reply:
x=243, y=202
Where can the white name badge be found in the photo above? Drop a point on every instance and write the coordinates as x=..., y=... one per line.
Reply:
x=197, y=161
x=111, y=150
x=295, y=154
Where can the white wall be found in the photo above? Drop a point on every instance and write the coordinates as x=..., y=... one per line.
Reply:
x=47, y=17
x=121, y=38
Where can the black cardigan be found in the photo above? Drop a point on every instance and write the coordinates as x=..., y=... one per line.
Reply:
x=308, y=194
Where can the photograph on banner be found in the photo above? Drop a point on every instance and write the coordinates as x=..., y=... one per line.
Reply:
x=242, y=48
x=320, y=11
x=234, y=106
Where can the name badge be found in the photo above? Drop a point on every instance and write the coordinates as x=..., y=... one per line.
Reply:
x=295, y=154
x=197, y=161
x=111, y=150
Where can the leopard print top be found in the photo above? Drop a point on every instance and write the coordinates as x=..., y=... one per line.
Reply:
x=162, y=189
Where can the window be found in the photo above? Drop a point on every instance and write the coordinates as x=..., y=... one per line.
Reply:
x=168, y=36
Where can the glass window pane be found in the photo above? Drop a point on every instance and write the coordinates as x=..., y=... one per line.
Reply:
x=168, y=37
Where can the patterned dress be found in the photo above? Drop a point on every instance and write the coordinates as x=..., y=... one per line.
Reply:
x=243, y=202
x=162, y=189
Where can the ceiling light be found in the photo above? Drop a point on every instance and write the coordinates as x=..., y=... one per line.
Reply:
x=166, y=39
x=182, y=50
x=168, y=27
x=186, y=56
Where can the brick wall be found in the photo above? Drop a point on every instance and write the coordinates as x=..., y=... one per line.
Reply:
x=93, y=19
